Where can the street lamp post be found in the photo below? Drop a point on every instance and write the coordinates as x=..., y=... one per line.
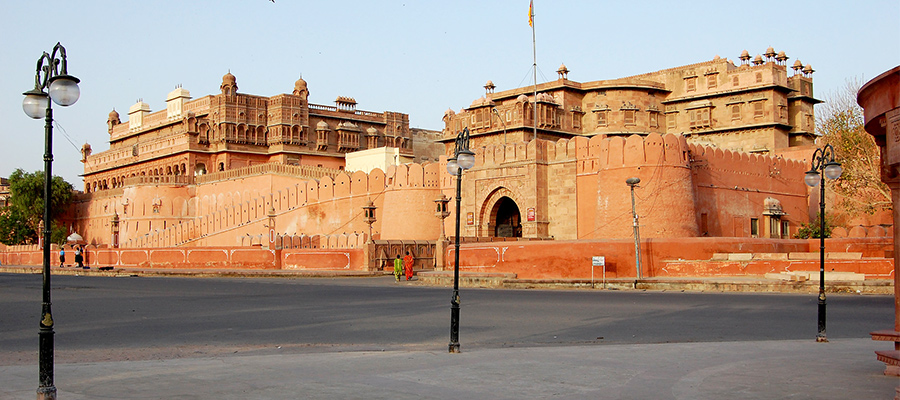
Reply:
x=822, y=160
x=51, y=74
x=632, y=182
x=369, y=217
x=442, y=212
x=463, y=159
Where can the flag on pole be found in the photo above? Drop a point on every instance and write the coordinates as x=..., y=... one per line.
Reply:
x=531, y=13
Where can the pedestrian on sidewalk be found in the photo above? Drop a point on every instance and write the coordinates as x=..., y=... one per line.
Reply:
x=79, y=259
x=62, y=256
x=408, y=265
x=398, y=267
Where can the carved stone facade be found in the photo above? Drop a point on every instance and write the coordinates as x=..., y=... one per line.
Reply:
x=246, y=166
x=759, y=106
x=232, y=130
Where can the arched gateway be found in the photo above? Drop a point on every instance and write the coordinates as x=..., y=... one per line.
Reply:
x=506, y=218
x=500, y=215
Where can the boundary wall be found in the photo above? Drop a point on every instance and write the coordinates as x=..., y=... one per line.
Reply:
x=673, y=257
x=662, y=257
x=253, y=257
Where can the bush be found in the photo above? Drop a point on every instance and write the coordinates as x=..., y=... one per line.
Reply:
x=813, y=229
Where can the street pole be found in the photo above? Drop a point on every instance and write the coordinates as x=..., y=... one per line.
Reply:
x=822, y=160
x=632, y=182
x=463, y=159
x=46, y=390
x=820, y=336
x=454, y=301
x=62, y=89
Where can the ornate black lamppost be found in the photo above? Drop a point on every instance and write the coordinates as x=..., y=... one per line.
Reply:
x=822, y=160
x=63, y=89
x=463, y=159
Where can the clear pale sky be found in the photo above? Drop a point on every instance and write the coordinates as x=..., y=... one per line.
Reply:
x=415, y=57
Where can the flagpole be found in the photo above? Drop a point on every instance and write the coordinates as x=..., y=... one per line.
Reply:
x=534, y=65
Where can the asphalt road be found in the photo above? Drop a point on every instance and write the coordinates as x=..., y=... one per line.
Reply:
x=132, y=318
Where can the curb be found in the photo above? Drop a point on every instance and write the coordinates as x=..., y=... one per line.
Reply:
x=747, y=284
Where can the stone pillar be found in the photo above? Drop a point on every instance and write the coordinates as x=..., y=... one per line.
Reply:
x=881, y=106
x=440, y=254
x=272, y=233
x=895, y=200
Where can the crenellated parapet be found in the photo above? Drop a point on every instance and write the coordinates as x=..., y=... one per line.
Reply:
x=327, y=207
x=731, y=169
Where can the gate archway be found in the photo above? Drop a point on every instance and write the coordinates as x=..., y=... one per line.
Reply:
x=506, y=218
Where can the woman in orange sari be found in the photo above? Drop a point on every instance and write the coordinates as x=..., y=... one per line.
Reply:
x=408, y=265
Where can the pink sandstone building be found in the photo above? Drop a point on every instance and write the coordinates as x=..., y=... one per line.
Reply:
x=233, y=180
x=705, y=140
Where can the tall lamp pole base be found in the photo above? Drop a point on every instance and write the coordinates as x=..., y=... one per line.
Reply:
x=820, y=337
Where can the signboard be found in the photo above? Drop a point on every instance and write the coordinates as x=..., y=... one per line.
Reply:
x=530, y=214
x=598, y=261
x=470, y=218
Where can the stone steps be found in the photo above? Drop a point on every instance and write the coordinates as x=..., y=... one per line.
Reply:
x=800, y=256
x=802, y=276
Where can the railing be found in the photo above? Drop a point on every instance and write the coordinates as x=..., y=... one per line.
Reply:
x=322, y=107
x=177, y=180
x=371, y=114
x=385, y=251
x=302, y=171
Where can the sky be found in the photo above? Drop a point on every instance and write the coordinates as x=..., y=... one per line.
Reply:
x=414, y=57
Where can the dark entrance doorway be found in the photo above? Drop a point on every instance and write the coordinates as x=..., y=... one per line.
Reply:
x=508, y=222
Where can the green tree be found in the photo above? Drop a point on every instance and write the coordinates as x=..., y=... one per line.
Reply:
x=814, y=229
x=14, y=229
x=21, y=220
x=840, y=123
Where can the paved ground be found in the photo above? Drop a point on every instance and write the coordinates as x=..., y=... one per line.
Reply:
x=844, y=368
x=840, y=369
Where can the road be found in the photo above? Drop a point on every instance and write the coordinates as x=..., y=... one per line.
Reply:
x=131, y=318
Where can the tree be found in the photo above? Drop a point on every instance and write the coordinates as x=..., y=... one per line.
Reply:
x=814, y=229
x=840, y=123
x=14, y=229
x=21, y=220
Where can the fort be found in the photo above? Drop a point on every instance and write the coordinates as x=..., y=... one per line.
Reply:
x=276, y=182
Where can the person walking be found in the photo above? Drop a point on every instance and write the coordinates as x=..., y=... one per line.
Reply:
x=79, y=258
x=398, y=267
x=62, y=256
x=408, y=265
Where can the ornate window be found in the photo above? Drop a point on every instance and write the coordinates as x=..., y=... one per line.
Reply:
x=700, y=117
x=602, y=118
x=672, y=120
x=629, y=117
x=653, y=119
x=699, y=114
x=602, y=114
x=690, y=84
x=629, y=112
x=759, y=109
x=711, y=81
x=735, y=111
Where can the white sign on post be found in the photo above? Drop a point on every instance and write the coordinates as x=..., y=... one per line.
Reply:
x=598, y=261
